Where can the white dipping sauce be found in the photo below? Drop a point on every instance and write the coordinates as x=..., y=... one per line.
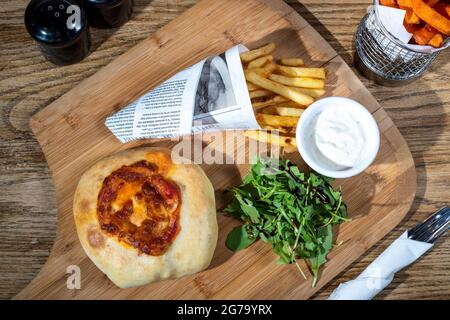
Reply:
x=339, y=137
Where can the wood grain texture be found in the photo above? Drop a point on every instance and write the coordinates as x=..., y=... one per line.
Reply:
x=378, y=199
x=28, y=83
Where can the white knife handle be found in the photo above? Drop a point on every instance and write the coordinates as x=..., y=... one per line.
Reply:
x=381, y=271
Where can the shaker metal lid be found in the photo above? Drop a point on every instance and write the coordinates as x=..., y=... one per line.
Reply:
x=53, y=22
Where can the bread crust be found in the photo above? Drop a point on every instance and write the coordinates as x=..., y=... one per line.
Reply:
x=190, y=252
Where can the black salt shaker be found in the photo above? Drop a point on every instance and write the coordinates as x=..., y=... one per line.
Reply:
x=60, y=28
x=108, y=13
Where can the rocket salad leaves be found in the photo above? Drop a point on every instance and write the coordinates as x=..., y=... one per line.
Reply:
x=291, y=210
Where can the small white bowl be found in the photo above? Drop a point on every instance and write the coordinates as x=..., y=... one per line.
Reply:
x=308, y=150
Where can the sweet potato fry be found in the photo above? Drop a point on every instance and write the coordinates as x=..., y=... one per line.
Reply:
x=436, y=40
x=431, y=16
x=404, y=3
x=443, y=9
x=411, y=17
x=424, y=35
x=389, y=3
x=432, y=3
x=411, y=28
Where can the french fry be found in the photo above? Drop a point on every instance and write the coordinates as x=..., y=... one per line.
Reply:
x=411, y=17
x=275, y=120
x=292, y=62
x=315, y=93
x=279, y=129
x=260, y=62
x=267, y=137
x=431, y=16
x=268, y=102
x=260, y=93
x=262, y=72
x=257, y=53
x=282, y=111
x=404, y=3
x=280, y=89
x=290, y=104
x=268, y=110
x=265, y=71
x=302, y=82
x=252, y=87
x=302, y=72
x=436, y=41
x=389, y=3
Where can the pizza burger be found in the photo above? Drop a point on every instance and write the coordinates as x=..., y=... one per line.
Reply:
x=142, y=218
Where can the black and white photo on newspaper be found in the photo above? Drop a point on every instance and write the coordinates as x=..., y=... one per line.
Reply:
x=211, y=95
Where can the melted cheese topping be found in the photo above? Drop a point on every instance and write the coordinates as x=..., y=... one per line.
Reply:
x=140, y=207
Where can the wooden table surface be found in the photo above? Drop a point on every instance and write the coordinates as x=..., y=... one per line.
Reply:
x=28, y=83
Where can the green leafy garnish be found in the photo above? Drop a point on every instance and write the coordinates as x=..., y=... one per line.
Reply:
x=239, y=238
x=289, y=209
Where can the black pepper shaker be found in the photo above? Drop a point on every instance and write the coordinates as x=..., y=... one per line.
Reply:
x=60, y=28
x=108, y=13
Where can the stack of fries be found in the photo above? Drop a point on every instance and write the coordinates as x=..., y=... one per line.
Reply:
x=279, y=91
x=427, y=20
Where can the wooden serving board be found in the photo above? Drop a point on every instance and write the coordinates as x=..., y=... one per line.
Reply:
x=73, y=137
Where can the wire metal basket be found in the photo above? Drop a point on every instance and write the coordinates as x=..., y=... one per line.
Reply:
x=383, y=58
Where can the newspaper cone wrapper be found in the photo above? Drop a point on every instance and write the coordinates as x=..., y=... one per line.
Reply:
x=380, y=272
x=210, y=95
x=392, y=20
